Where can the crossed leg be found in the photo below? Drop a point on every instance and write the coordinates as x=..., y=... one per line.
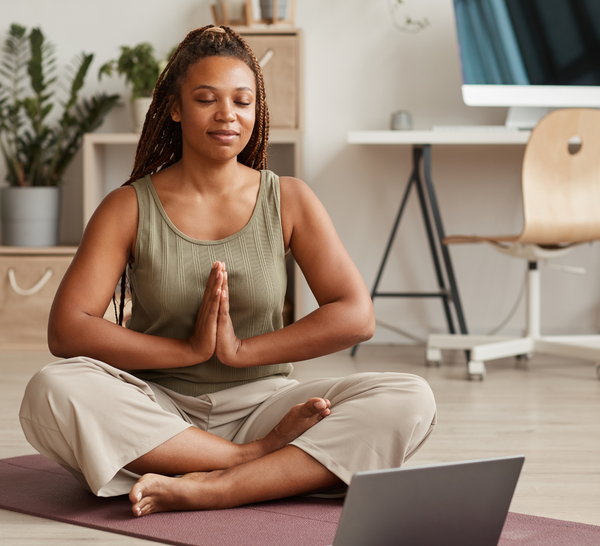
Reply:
x=287, y=472
x=195, y=450
x=378, y=421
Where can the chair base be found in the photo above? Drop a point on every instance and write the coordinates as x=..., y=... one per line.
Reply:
x=484, y=348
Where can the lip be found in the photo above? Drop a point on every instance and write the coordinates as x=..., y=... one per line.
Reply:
x=224, y=136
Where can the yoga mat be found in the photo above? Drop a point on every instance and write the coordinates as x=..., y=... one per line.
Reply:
x=33, y=485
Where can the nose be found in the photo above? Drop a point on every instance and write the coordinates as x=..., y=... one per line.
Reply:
x=226, y=112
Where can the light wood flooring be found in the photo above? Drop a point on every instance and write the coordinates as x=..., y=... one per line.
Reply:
x=547, y=409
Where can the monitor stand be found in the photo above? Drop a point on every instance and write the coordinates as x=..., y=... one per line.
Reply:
x=524, y=117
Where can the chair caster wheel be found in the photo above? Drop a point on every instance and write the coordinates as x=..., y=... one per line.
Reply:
x=476, y=370
x=523, y=360
x=526, y=356
x=433, y=358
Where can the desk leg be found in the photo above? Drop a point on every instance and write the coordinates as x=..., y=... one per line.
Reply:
x=433, y=247
x=440, y=236
x=413, y=177
x=424, y=152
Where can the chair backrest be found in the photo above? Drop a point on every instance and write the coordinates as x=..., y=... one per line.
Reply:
x=561, y=185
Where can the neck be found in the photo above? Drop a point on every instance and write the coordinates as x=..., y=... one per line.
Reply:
x=211, y=177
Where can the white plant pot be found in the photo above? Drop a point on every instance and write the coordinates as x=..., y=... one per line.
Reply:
x=139, y=109
x=30, y=216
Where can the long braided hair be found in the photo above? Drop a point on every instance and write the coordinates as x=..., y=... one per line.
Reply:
x=160, y=142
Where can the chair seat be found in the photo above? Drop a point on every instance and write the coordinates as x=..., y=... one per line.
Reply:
x=532, y=252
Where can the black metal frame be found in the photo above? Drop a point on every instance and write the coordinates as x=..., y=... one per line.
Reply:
x=430, y=211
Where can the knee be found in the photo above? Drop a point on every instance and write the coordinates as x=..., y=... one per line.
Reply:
x=47, y=389
x=423, y=399
x=413, y=397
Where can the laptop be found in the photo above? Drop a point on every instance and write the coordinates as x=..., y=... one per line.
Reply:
x=454, y=504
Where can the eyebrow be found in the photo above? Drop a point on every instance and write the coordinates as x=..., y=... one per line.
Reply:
x=212, y=88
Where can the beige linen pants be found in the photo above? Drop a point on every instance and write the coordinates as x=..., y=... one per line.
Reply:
x=94, y=419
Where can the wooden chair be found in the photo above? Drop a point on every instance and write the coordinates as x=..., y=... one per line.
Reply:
x=561, y=205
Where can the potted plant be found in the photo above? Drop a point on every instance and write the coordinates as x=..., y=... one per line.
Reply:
x=38, y=143
x=141, y=69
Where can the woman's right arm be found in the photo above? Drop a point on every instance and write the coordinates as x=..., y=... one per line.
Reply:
x=77, y=327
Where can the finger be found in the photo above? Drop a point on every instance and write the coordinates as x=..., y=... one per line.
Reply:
x=211, y=283
x=224, y=308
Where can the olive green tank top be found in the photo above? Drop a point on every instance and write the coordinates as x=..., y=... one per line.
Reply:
x=170, y=273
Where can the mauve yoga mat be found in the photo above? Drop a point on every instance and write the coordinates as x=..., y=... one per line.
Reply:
x=33, y=485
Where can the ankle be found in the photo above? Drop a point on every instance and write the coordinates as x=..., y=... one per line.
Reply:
x=221, y=489
x=259, y=448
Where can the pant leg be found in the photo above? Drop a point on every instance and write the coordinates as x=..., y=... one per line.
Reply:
x=377, y=420
x=94, y=419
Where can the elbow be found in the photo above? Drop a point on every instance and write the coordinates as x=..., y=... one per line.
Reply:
x=54, y=343
x=365, y=322
x=58, y=340
x=369, y=326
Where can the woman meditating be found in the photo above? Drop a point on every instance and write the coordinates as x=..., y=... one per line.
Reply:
x=190, y=406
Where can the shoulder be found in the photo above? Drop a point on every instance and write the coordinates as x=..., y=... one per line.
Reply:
x=301, y=210
x=116, y=217
x=298, y=199
x=122, y=201
x=295, y=191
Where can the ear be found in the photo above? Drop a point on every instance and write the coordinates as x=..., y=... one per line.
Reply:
x=176, y=111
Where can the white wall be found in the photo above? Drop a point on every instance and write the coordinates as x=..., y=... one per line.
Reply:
x=359, y=69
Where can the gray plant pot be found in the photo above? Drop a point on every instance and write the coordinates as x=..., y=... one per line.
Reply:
x=266, y=9
x=30, y=216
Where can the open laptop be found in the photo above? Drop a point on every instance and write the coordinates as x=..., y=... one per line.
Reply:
x=455, y=504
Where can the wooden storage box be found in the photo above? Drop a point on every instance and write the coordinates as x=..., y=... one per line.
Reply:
x=281, y=73
x=29, y=279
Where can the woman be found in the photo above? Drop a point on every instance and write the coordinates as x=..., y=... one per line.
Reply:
x=197, y=383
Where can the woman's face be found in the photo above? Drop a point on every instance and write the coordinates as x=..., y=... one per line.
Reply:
x=217, y=108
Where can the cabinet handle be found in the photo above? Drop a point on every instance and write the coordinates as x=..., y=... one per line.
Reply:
x=266, y=58
x=34, y=289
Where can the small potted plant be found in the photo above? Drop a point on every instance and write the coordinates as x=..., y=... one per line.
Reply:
x=141, y=69
x=38, y=143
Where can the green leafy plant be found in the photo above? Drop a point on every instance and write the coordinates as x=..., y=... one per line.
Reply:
x=35, y=149
x=139, y=66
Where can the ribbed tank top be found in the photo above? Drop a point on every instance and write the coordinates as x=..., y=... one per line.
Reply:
x=170, y=273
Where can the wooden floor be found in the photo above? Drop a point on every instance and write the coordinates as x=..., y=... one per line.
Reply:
x=548, y=410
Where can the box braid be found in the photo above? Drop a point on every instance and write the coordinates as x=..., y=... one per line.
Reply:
x=160, y=143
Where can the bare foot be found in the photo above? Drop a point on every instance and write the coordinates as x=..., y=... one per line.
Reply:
x=156, y=493
x=297, y=421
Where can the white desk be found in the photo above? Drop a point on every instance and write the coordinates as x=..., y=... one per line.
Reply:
x=421, y=141
x=472, y=136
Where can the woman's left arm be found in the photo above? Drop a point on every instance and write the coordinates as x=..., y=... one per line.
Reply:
x=345, y=315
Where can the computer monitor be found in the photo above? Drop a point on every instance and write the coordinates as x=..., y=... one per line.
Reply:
x=529, y=55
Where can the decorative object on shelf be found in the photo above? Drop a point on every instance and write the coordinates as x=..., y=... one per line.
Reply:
x=141, y=69
x=222, y=13
x=36, y=151
x=272, y=12
x=401, y=121
x=410, y=25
